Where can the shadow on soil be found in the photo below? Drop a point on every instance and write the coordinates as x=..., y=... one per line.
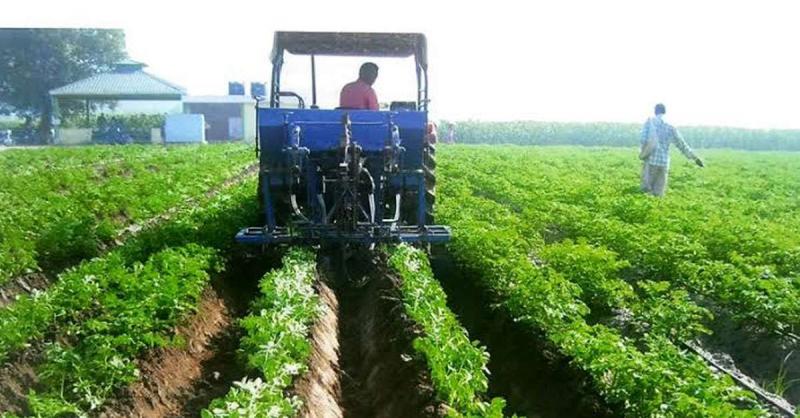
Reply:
x=379, y=376
x=237, y=287
x=532, y=376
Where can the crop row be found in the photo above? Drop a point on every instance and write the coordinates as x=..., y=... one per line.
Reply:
x=276, y=341
x=29, y=162
x=457, y=366
x=649, y=378
x=100, y=316
x=56, y=217
x=652, y=246
x=32, y=316
x=132, y=309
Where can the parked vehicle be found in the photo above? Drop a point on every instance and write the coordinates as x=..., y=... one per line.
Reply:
x=5, y=137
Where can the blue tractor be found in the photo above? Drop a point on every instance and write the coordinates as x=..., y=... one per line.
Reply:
x=339, y=176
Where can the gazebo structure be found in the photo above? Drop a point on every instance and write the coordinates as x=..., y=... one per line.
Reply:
x=128, y=81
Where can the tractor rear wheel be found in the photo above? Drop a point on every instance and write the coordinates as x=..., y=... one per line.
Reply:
x=260, y=196
x=429, y=169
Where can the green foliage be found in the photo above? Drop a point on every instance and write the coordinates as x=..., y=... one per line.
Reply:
x=708, y=237
x=618, y=135
x=276, y=342
x=458, y=367
x=595, y=270
x=670, y=312
x=62, y=205
x=137, y=125
x=136, y=310
x=543, y=232
x=68, y=299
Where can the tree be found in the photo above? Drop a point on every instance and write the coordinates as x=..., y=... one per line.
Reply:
x=35, y=61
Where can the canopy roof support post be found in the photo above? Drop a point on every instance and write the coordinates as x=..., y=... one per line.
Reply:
x=425, y=94
x=276, y=84
x=420, y=103
x=55, y=117
x=314, y=82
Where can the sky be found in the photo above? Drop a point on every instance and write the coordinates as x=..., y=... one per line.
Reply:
x=711, y=62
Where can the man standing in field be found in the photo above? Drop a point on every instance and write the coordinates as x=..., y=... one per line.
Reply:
x=656, y=137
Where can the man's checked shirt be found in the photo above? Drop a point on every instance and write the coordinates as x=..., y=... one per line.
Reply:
x=664, y=133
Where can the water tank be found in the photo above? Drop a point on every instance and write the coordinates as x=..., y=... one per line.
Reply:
x=258, y=89
x=235, y=88
x=183, y=128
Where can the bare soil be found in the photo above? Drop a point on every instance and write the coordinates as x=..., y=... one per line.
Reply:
x=379, y=376
x=319, y=388
x=21, y=285
x=168, y=374
x=16, y=378
x=771, y=361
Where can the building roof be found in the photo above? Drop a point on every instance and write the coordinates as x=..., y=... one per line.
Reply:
x=128, y=81
x=219, y=99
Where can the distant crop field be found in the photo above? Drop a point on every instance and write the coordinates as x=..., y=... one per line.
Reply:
x=616, y=134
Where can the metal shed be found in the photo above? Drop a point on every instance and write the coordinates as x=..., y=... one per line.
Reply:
x=128, y=81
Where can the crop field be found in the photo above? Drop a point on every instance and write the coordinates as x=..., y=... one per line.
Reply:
x=624, y=285
x=565, y=291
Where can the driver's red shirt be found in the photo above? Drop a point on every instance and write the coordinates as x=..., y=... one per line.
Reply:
x=358, y=95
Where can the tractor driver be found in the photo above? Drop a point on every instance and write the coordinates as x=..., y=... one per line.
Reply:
x=359, y=94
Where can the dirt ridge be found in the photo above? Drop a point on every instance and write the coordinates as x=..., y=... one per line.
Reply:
x=16, y=377
x=380, y=375
x=168, y=374
x=320, y=387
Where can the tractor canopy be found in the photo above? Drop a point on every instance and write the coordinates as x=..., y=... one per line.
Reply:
x=351, y=44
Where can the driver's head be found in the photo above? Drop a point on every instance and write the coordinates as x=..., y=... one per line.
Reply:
x=660, y=109
x=368, y=72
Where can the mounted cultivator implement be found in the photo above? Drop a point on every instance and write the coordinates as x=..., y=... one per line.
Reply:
x=341, y=175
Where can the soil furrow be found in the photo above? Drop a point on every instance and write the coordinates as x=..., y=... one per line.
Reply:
x=167, y=374
x=16, y=378
x=530, y=374
x=181, y=381
x=378, y=374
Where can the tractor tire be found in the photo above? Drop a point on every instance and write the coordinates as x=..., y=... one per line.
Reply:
x=260, y=196
x=409, y=201
x=429, y=169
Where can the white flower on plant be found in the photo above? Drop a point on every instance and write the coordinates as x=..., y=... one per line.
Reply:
x=413, y=265
x=275, y=411
x=298, y=328
x=292, y=368
x=253, y=387
x=269, y=347
x=116, y=362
